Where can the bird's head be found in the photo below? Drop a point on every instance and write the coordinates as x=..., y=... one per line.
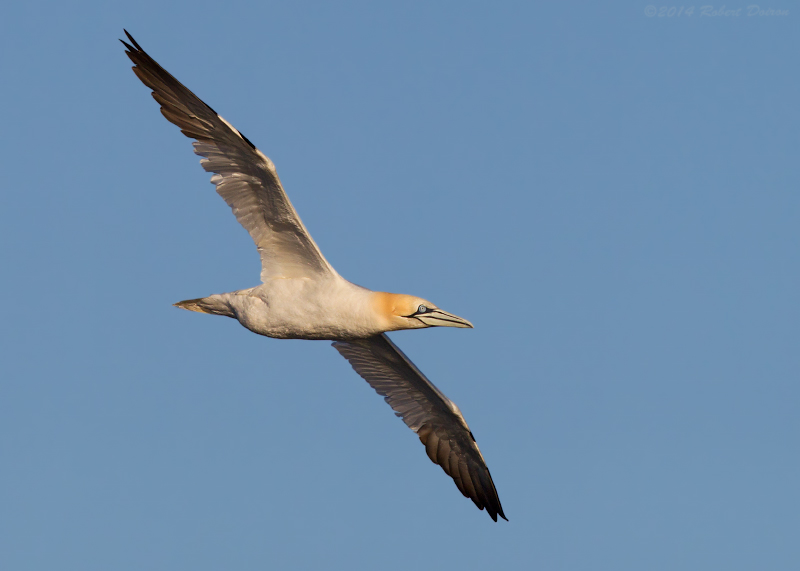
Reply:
x=400, y=311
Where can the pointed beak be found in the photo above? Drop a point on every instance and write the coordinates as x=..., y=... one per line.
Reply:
x=439, y=318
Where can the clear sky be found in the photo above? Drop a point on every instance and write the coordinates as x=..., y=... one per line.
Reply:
x=610, y=197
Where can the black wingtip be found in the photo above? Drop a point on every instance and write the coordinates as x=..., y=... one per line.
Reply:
x=130, y=37
x=494, y=515
x=500, y=510
x=128, y=46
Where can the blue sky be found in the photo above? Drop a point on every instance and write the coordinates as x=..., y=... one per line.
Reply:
x=611, y=198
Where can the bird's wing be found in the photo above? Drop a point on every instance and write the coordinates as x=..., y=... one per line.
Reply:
x=245, y=178
x=424, y=408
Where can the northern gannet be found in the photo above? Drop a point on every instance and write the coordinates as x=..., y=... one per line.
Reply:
x=302, y=296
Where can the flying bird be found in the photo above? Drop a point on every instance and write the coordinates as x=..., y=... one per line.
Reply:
x=302, y=297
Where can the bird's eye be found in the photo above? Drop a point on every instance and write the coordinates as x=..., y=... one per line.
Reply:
x=422, y=309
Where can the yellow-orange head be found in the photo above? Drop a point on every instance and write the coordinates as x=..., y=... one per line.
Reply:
x=400, y=311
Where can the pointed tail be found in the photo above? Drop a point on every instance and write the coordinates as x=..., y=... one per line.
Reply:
x=214, y=304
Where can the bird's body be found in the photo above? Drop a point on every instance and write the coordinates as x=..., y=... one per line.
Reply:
x=331, y=308
x=303, y=297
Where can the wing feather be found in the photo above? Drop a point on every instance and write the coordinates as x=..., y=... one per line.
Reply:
x=245, y=178
x=424, y=408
